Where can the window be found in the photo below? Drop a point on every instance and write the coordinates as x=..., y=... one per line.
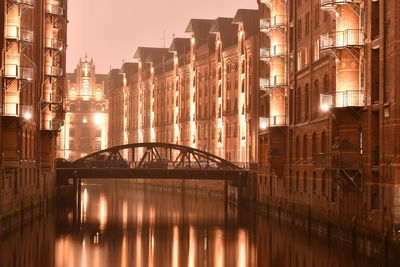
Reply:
x=316, y=50
x=326, y=85
x=307, y=24
x=297, y=148
x=297, y=182
x=323, y=185
x=314, y=182
x=316, y=98
x=307, y=102
x=305, y=182
x=314, y=143
x=305, y=152
x=323, y=143
x=71, y=132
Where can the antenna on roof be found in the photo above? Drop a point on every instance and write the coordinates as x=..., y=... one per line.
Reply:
x=163, y=40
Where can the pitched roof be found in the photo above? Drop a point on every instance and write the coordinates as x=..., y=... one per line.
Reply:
x=180, y=45
x=227, y=30
x=249, y=18
x=150, y=54
x=200, y=28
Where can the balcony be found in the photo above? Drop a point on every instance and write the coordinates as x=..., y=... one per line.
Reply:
x=333, y=4
x=53, y=71
x=24, y=3
x=342, y=39
x=51, y=98
x=350, y=98
x=54, y=10
x=13, y=71
x=14, y=33
x=278, y=81
x=53, y=44
x=273, y=121
x=275, y=22
x=277, y=51
x=13, y=109
x=50, y=125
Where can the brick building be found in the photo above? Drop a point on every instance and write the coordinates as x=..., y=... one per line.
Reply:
x=201, y=92
x=33, y=45
x=86, y=118
x=328, y=143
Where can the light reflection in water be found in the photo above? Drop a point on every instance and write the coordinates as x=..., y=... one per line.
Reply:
x=175, y=247
x=127, y=227
x=192, y=247
x=84, y=205
x=102, y=211
x=219, y=252
x=242, y=243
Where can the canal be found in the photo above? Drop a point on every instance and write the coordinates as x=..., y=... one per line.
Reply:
x=123, y=224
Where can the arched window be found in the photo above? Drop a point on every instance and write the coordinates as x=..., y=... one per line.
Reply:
x=314, y=143
x=307, y=102
x=297, y=147
x=314, y=182
x=305, y=181
x=298, y=105
x=326, y=84
x=323, y=143
x=316, y=100
x=305, y=152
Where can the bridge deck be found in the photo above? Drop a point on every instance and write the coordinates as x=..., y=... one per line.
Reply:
x=124, y=173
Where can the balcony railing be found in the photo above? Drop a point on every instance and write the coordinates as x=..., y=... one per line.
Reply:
x=277, y=51
x=54, y=10
x=273, y=82
x=50, y=125
x=13, y=109
x=13, y=71
x=273, y=121
x=350, y=98
x=342, y=39
x=273, y=23
x=13, y=32
x=53, y=44
x=331, y=4
x=22, y=2
x=53, y=71
x=52, y=98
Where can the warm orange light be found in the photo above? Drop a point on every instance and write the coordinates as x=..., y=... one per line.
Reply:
x=325, y=107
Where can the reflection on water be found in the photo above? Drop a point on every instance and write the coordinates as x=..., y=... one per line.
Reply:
x=120, y=225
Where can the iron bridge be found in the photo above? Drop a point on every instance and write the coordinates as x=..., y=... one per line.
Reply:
x=153, y=161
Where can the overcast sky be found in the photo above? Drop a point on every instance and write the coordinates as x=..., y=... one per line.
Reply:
x=110, y=30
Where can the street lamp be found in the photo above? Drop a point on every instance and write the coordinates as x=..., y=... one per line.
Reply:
x=326, y=102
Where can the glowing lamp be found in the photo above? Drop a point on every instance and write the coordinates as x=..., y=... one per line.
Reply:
x=98, y=119
x=27, y=115
x=264, y=123
x=325, y=107
x=326, y=102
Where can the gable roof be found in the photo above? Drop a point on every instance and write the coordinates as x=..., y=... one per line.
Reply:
x=249, y=18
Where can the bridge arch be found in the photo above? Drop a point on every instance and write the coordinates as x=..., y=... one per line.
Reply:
x=155, y=155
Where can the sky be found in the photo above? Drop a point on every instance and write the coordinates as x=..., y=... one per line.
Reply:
x=109, y=31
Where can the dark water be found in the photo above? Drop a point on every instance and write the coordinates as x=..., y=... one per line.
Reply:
x=121, y=225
